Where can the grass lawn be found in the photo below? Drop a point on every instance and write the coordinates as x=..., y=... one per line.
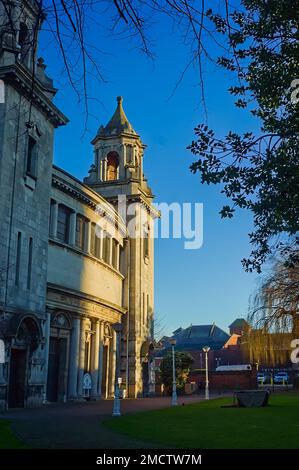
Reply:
x=206, y=425
x=7, y=438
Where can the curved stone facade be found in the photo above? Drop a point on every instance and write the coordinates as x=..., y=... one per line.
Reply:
x=84, y=292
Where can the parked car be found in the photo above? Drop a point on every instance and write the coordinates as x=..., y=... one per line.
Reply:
x=281, y=378
x=261, y=378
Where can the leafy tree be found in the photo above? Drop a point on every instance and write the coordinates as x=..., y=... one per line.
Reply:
x=259, y=172
x=183, y=363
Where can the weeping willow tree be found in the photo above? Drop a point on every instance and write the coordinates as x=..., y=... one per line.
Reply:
x=274, y=317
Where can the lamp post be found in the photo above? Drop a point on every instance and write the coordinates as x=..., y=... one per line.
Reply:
x=116, y=402
x=206, y=350
x=174, y=401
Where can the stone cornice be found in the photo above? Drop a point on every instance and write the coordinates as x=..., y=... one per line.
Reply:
x=138, y=198
x=19, y=77
x=78, y=297
x=111, y=138
x=104, y=210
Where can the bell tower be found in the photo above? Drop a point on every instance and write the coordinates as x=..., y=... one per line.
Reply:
x=118, y=158
x=117, y=174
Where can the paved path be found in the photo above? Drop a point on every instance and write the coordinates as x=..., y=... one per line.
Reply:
x=80, y=425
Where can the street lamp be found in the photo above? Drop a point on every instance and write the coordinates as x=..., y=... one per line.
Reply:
x=116, y=402
x=206, y=350
x=174, y=401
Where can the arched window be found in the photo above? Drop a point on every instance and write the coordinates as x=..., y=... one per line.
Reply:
x=112, y=166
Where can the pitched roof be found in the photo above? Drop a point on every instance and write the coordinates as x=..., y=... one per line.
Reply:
x=239, y=322
x=118, y=124
x=198, y=336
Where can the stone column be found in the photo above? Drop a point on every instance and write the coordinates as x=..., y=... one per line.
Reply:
x=47, y=333
x=72, y=235
x=105, y=169
x=95, y=346
x=81, y=359
x=107, y=384
x=109, y=250
x=101, y=237
x=117, y=256
x=101, y=170
x=112, y=364
x=124, y=155
x=74, y=358
x=101, y=353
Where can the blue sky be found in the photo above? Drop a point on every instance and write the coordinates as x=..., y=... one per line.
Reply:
x=199, y=287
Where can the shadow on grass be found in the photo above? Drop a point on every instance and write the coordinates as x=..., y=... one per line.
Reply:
x=8, y=439
x=206, y=425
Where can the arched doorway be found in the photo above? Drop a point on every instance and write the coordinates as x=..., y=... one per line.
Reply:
x=58, y=357
x=25, y=342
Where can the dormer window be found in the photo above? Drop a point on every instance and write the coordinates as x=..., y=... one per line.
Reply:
x=112, y=166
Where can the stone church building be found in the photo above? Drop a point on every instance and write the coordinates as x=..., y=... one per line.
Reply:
x=74, y=262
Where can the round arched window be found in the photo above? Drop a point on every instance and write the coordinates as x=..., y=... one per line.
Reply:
x=112, y=166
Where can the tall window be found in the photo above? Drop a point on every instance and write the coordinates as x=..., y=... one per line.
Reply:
x=95, y=241
x=63, y=223
x=80, y=232
x=31, y=165
x=115, y=254
x=146, y=233
x=106, y=247
x=18, y=258
x=29, y=263
x=92, y=238
x=112, y=166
